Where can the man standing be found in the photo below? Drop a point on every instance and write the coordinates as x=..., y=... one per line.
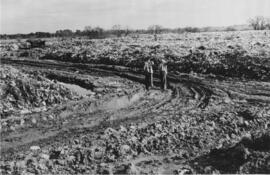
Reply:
x=163, y=74
x=148, y=69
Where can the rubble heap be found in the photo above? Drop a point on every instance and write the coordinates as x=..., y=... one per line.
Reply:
x=232, y=54
x=23, y=92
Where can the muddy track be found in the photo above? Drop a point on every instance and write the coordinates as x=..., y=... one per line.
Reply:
x=201, y=88
x=187, y=93
x=193, y=86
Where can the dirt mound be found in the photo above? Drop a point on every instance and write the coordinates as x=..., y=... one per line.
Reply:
x=21, y=92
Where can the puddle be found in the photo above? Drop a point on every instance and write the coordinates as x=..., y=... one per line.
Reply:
x=78, y=89
x=121, y=102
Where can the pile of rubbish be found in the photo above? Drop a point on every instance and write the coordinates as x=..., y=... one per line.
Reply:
x=233, y=61
x=231, y=54
x=22, y=92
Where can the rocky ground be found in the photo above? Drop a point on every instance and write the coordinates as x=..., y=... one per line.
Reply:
x=104, y=121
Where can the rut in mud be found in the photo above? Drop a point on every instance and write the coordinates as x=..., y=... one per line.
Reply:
x=151, y=130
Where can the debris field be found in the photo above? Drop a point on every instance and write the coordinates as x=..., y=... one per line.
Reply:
x=79, y=106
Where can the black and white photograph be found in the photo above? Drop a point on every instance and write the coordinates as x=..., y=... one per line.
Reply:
x=166, y=87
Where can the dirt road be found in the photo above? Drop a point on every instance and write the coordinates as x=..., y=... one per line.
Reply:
x=208, y=112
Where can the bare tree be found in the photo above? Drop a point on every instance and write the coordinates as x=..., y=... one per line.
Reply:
x=258, y=23
x=127, y=30
x=99, y=31
x=87, y=28
x=96, y=32
x=155, y=29
x=267, y=25
x=117, y=30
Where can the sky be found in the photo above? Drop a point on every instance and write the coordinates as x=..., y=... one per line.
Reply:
x=25, y=16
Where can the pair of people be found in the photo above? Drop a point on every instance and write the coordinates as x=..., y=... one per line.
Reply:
x=148, y=68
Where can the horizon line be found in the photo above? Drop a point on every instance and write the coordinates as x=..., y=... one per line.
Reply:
x=130, y=28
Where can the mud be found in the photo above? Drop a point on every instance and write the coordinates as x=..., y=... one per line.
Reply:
x=78, y=89
x=174, y=129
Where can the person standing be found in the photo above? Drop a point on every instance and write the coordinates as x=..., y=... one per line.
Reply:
x=163, y=74
x=148, y=69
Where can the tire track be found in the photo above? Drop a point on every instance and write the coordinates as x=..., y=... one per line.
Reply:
x=186, y=93
x=195, y=89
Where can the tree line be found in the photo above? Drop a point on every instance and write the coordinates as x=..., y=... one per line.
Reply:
x=260, y=23
x=98, y=32
x=257, y=23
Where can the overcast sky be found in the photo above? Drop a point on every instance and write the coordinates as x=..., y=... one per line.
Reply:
x=24, y=16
